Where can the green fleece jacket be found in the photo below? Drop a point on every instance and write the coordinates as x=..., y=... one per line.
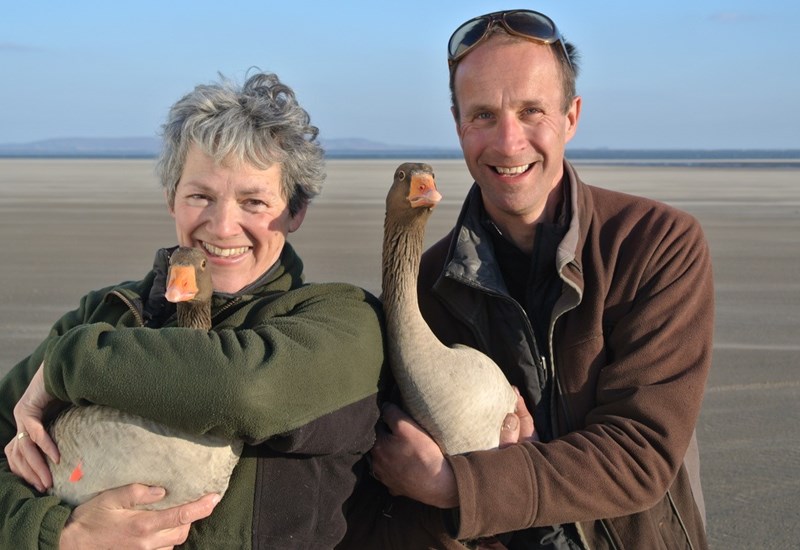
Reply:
x=290, y=368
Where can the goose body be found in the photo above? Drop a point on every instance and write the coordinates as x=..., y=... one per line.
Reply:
x=457, y=394
x=102, y=448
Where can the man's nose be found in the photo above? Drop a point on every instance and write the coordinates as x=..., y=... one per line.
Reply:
x=510, y=135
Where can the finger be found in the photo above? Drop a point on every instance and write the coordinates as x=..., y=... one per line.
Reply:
x=43, y=440
x=509, y=432
x=391, y=414
x=35, y=460
x=20, y=467
x=527, y=430
x=398, y=421
x=185, y=514
x=131, y=496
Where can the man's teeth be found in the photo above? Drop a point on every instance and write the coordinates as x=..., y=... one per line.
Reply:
x=512, y=170
x=225, y=252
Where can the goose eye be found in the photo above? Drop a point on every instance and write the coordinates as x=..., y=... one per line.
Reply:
x=401, y=175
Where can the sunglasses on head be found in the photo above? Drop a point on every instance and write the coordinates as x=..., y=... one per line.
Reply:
x=527, y=24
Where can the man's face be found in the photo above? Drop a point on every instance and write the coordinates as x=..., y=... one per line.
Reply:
x=512, y=126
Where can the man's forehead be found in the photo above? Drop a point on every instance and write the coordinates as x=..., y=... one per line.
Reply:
x=495, y=67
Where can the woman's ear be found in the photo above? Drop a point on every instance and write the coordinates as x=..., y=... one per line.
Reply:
x=170, y=206
x=297, y=220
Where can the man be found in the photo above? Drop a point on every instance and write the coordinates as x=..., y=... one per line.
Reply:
x=598, y=306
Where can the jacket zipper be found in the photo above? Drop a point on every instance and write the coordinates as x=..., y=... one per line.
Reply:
x=226, y=306
x=130, y=306
x=556, y=393
x=538, y=358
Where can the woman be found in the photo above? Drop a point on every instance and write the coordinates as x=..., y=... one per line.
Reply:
x=291, y=369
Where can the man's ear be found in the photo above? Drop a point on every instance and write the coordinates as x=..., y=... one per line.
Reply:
x=454, y=112
x=573, y=114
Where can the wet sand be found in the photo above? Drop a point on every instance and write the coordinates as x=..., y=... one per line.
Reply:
x=68, y=226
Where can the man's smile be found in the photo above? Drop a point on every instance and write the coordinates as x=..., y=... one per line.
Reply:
x=511, y=170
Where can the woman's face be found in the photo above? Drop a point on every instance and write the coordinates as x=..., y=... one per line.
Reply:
x=236, y=214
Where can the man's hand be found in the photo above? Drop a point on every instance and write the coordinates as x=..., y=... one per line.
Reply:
x=518, y=426
x=410, y=463
x=25, y=452
x=110, y=520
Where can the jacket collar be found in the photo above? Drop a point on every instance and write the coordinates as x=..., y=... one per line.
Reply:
x=470, y=259
x=569, y=262
x=568, y=248
x=284, y=275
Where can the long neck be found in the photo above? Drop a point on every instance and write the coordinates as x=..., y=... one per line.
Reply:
x=410, y=339
x=194, y=315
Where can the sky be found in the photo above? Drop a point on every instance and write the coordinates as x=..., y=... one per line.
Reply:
x=683, y=74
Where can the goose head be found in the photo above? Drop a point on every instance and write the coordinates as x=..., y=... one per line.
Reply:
x=188, y=280
x=413, y=190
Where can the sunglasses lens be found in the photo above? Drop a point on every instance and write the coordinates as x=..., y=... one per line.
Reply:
x=533, y=25
x=466, y=36
x=525, y=23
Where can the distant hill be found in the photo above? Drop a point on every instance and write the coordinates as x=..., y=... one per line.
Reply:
x=84, y=147
x=145, y=147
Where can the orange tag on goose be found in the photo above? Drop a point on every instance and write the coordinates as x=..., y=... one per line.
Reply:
x=77, y=473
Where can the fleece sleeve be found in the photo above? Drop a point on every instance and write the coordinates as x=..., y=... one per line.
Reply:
x=270, y=367
x=28, y=519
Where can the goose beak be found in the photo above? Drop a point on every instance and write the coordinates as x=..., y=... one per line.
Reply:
x=182, y=285
x=422, y=192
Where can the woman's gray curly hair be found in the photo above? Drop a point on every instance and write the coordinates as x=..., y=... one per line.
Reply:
x=259, y=123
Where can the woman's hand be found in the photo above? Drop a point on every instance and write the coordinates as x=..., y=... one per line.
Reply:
x=25, y=451
x=111, y=520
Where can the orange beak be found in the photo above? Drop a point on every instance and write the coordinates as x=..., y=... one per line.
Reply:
x=423, y=191
x=182, y=285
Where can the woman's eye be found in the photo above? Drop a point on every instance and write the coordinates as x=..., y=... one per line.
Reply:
x=255, y=204
x=197, y=200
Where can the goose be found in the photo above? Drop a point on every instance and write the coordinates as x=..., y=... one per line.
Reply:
x=103, y=448
x=457, y=394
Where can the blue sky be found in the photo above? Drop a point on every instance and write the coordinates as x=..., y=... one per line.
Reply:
x=681, y=74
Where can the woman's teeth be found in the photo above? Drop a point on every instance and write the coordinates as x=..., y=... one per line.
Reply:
x=225, y=252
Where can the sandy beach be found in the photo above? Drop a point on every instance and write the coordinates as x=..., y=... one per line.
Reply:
x=69, y=226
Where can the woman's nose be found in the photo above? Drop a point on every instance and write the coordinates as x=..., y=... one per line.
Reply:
x=225, y=219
